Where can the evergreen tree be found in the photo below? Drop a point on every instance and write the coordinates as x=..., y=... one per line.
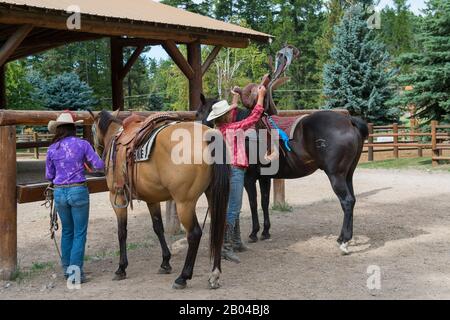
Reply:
x=430, y=74
x=202, y=7
x=357, y=78
x=224, y=9
x=397, y=28
x=19, y=91
x=65, y=91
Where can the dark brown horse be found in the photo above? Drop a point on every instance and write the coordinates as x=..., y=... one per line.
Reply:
x=160, y=179
x=324, y=140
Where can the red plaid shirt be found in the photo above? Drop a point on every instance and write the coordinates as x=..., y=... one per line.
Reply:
x=234, y=135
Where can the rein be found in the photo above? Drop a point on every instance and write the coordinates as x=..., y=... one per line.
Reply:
x=50, y=204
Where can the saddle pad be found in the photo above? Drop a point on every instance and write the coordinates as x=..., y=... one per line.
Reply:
x=142, y=152
x=287, y=124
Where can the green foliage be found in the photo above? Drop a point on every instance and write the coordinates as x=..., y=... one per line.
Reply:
x=19, y=91
x=65, y=91
x=357, y=77
x=430, y=67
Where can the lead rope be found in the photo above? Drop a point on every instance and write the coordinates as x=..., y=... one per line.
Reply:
x=54, y=225
x=204, y=221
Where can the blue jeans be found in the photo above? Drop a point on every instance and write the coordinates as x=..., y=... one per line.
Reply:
x=72, y=205
x=236, y=192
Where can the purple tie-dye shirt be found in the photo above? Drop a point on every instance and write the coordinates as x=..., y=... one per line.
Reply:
x=66, y=158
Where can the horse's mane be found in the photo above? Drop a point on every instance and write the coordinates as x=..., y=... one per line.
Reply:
x=104, y=121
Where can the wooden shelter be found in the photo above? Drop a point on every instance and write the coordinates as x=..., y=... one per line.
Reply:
x=28, y=27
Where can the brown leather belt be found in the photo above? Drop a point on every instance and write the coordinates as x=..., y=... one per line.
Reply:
x=83, y=184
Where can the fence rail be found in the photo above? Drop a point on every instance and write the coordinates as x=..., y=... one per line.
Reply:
x=406, y=138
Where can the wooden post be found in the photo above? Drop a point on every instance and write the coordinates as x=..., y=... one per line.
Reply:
x=87, y=134
x=370, y=140
x=196, y=82
x=279, y=192
x=36, y=149
x=8, y=204
x=395, y=131
x=434, y=150
x=172, y=221
x=2, y=87
x=116, y=72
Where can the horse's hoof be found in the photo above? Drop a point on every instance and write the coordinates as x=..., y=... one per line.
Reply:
x=213, y=280
x=179, y=286
x=344, y=248
x=252, y=239
x=214, y=285
x=119, y=277
x=265, y=237
x=166, y=270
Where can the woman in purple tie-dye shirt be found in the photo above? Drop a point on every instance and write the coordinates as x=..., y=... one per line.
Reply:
x=65, y=164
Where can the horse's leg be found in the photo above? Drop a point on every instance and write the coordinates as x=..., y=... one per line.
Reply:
x=347, y=199
x=158, y=227
x=250, y=187
x=122, y=217
x=186, y=213
x=264, y=185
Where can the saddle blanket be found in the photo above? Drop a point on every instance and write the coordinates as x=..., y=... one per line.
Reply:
x=287, y=124
x=142, y=152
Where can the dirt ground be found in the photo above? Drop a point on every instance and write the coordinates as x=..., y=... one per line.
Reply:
x=401, y=225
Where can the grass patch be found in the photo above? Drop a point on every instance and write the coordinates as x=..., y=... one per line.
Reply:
x=283, y=207
x=21, y=274
x=408, y=163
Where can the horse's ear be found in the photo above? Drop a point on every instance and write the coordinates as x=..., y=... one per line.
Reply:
x=115, y=114
x=202, y=99
x=91, y=114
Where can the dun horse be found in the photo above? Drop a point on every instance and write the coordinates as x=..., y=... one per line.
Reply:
x=160, y=179
x=324, y=140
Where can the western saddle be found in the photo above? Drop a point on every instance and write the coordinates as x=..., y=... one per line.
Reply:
x=135, y=131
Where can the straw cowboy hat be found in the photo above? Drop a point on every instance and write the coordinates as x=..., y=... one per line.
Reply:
x=219, y=109
x=64, y=118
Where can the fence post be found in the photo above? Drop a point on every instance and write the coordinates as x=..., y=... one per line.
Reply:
x=434, y=150
x=172, y=221
x=395, y=131
x=370, y=140
x=36, y=150
x=279, y=192
x=8, y=202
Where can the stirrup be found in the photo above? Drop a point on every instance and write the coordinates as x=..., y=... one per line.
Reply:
x=127, y=201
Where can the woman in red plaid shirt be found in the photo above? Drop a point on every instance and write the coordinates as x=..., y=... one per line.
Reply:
x=224, y=117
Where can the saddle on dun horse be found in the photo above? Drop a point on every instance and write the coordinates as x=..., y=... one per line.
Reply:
x=133, y=143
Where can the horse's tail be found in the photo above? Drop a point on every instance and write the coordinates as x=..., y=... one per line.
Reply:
x=362, y=127
x=219, y=190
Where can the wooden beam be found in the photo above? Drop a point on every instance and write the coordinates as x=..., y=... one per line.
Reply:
x=196, y=82
x=212, y=56
x=131, y=61
x=137, y=42
x=8, y=207
x=40, y=118
x=13, y=42
x=35, y=192
x=178, y=58
x=2, y=87
x=115, y=27
x=116, y=79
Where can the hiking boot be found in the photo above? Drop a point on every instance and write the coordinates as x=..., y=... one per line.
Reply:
x=227, y=250
x=238, y=245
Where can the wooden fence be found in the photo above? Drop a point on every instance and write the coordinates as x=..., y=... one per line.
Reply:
x=396, y=138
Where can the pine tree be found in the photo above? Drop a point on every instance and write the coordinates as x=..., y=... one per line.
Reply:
x=65, y=91
x=430, y=75
x=357, y=78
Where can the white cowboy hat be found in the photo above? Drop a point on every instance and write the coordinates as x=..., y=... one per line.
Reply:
x=64, y=118
x=219, y=109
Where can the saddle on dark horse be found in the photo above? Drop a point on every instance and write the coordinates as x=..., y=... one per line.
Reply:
x=133, y=143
